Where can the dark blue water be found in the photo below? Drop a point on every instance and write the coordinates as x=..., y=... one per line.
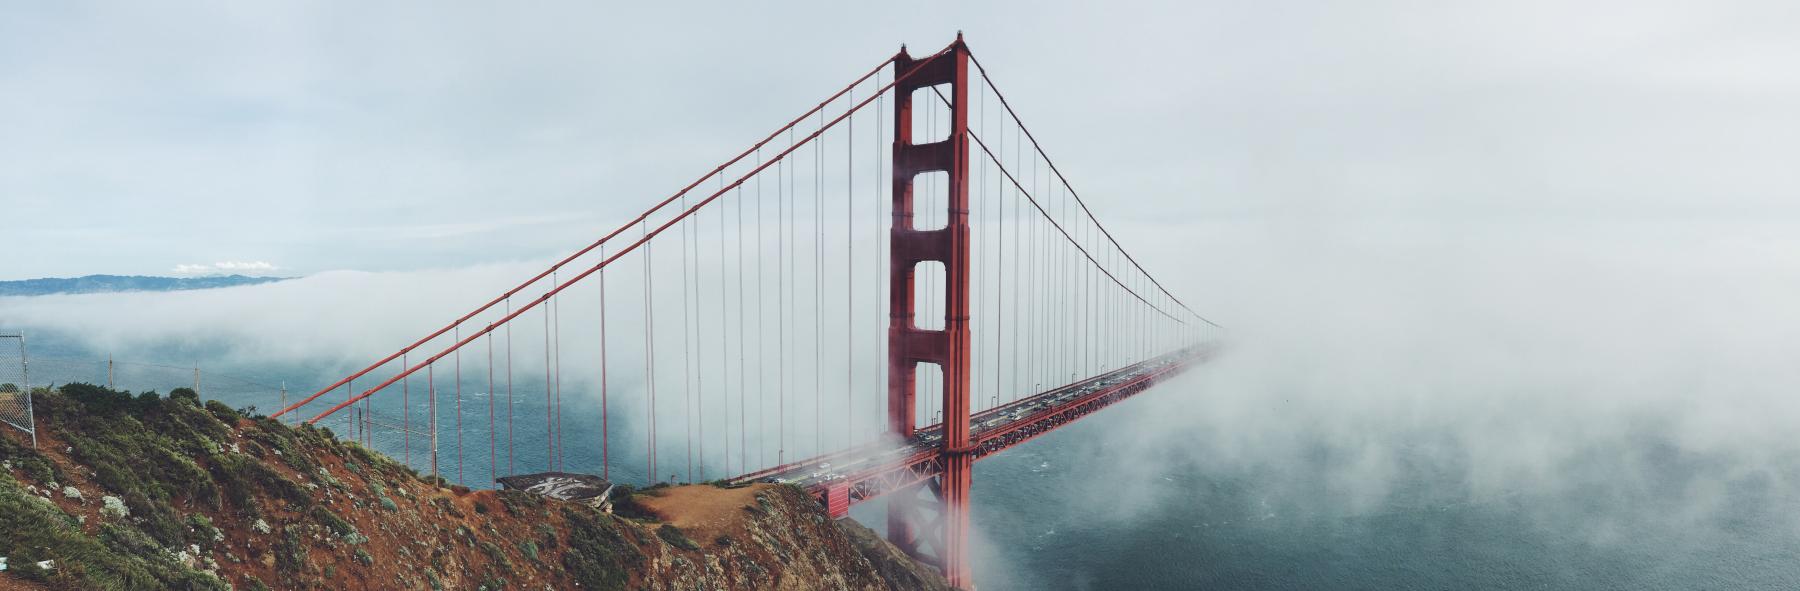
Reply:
x=1075, y=510
x=1683, y=523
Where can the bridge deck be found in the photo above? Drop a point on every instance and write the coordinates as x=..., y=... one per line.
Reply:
x=862, y=473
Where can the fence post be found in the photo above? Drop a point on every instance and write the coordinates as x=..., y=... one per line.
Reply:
x=19, y=395
x=25, y=373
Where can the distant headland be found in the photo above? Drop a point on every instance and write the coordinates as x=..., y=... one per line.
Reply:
x=119, y=283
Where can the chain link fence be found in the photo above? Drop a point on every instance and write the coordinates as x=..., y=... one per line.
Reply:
x=131, y=376
x=15, y=385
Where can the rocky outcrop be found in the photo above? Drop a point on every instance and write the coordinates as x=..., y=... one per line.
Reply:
x=146, y=492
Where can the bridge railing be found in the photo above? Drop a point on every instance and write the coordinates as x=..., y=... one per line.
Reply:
x=741, y=322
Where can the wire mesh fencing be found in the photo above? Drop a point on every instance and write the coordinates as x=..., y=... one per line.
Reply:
x=15, y=385
x=131, y=376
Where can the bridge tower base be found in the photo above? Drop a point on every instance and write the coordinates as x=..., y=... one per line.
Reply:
x=908, y=345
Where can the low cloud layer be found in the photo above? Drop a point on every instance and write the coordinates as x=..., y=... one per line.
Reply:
x=224, y=268
x=1502, y=359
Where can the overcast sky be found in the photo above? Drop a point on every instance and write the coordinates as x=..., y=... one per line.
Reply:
x=188, y=137
x=1523, y=223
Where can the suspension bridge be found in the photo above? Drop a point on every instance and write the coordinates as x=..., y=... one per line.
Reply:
x=891, y=286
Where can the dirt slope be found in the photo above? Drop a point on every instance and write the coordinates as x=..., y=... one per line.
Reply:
x=165, y=493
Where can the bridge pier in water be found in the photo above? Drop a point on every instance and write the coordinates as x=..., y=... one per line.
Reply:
x=949, y=348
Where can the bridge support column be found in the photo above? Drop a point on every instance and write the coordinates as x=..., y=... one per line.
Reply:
x=909, y=345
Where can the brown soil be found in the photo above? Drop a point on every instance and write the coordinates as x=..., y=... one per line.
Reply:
x=703, y=511
x=407, y=533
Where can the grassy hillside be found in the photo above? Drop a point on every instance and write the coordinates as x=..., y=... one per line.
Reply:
x=151, y=492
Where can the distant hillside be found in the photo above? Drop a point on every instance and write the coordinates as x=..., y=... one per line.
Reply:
x=146, y=492
x=114, y=283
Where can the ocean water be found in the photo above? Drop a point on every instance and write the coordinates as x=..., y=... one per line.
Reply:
x=1045, y=522
x=1093, y=506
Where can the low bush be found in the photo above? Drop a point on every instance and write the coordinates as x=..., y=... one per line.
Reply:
x=671, y=534
x=242, y=478
x=332, y=522
x=598, y=556
x=223, y=412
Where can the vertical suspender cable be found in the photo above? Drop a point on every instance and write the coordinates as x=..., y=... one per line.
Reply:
x=781, y=293
x=700, y=345
x=1018, y=217
x=605, y=435
x=511, y=465
x=762, y=399
x=1033, y=338
x=649, y=363
x=876, y=266
x=493, y=440
x=724, y=347
x=818, y=282
x=459, y=412
x=431, y=414
x=1062, y=301
x=849, y=285
x=999, y=263
x=687, y=381
x=405, y=414
x=549, y=398
x=556, y=324
x=743, y=376
x=986, y=212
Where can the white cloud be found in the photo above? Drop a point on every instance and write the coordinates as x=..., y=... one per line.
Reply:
x=223, y=268
x=322, y=118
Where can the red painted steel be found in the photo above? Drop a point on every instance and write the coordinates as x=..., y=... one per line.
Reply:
x=1078, y=200
x=586, y=249
x=901, y=472
x=922, y=65
x=909, y=345
x=924, y=473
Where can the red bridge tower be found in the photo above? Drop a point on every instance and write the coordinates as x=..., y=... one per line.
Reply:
x=947, y=534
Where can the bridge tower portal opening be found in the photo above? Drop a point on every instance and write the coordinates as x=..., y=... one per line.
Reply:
x=946, y=499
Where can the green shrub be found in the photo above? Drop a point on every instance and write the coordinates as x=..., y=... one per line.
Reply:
x=547, y=535
x=242, y=478
x=290, y=551
x=156, y=519
x=445, y=505
x=222, y=412
x=598, y=556
x=35, y=466
x=671, y=534
x=284, y=440
x=331, y=521
x=36, y=530
x=201, y=530
x=626, y=505
x=187, y=395
x=493, y=553
x=518, y=502
x=100, y=400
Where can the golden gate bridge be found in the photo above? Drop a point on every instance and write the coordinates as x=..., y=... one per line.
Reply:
x=893, y=285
